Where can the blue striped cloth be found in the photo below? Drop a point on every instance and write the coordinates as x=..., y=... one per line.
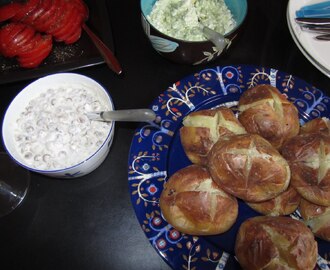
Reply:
x=318, y=10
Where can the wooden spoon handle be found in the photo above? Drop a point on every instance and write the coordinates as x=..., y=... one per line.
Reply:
x=107, y=54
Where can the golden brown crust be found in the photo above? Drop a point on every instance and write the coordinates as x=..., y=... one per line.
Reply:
x=202, y=129
x=266, y=242
x=267, y=112
x=248, y=167
x=192, y=203
x=309, y=158
x=283, y=204
x=317, y=125
x=317, y=218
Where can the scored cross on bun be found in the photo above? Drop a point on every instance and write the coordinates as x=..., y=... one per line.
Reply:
x=308, y=156
x=248, y=167
x=266, y=242
x=202, y=129
x=264, y=110
x=192, y=203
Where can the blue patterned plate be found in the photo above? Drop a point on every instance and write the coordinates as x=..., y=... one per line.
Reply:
x=156, y=153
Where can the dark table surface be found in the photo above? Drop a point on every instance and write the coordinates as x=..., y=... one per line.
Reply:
x=89, y=222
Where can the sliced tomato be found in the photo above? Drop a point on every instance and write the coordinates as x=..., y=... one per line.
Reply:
x=74, y=30
x=8, y=30
x=46, y=20
x=34, y=57
x=41, y=22
x=8, y=34
x=74, y=37
x=66, y=12
x=82, y=7
x=70, y=24
x=25, y=9
x=8, y=11
x=24, y=37
x=54, y=17
x=31, y=44
x=40, y=9
x=39, y=44
x=35, y=61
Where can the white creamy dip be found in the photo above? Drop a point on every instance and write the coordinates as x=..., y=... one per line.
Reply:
x=183, y=19
x=53, y=131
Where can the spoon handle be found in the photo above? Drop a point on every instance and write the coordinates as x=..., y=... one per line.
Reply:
x=107, y=54
x=324, y=37
x=133, y=115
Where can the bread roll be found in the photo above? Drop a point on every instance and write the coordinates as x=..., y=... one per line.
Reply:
x=317, y=125
x=192, y=203
x=248, y=167
x=317, y=218
x=275, y=243
x=283, y=204
x=265, y=111
x=202, y=129
x=308, y=156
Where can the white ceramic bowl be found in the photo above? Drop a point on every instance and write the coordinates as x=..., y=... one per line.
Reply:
x=33, y=90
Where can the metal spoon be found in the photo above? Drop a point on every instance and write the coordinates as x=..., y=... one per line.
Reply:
x=217, y=39
x=133, y=115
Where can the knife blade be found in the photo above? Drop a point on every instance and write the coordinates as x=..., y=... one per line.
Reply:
x=325, y=37
x=316, y=29
x=313, y=21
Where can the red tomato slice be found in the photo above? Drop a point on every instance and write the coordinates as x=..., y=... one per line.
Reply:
x=24, y=36
x=41, y=22
x=54, y=17
x=8, y=30
x=7, y=35
x=82, y=7
x=34, y=57
x=35, y=61
x=65, y=11
x=68, y=33
x=74, y=37
x=8, y=11
x=43, y=6
x=28, y=46
x=69, y=23
x=25, y=9
x=42, y=43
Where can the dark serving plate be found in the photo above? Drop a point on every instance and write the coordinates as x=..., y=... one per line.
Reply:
x=66, y=57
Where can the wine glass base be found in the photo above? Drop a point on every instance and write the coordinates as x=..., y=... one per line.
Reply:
x=14, y=184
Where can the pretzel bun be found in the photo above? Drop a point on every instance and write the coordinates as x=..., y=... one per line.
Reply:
x=308, y=156
x=317, y=125
x=192, y=203
x=283, y=204
x=248, y=167
x=202, y=129
x=265, y=111
x=317, y=218
x=266, y=242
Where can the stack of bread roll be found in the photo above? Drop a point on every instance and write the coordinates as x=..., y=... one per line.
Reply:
x=265, y=158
